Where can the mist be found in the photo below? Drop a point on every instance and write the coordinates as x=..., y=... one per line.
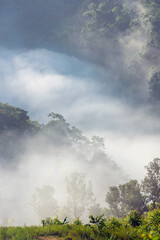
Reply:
x=41, y=82
x=41, y=160
x=101, y=87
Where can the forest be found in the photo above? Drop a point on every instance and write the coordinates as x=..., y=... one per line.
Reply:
x=95, y=64
x=131, y=210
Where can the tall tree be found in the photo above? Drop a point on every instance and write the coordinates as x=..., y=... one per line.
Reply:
x=125, y=198
x=151, y=182
x=43, y=202
x=79, y=193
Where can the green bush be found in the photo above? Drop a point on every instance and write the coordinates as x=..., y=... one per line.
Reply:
x=134, y=227
x=55, y=221
x=154, y=219
x=134, y=218
x=77, y=222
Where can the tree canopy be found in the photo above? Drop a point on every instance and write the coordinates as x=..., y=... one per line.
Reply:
x=125, y=198
x=80, y=194
x=43, y=202
x=151, y=182
x=135, y=196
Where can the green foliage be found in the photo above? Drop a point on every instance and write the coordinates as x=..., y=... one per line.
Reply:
x=154, y=219
x=114, y=223
x=125, y=198
x=47, y=221
x=13, y=118
x=151, y=182
x=77, y=222
x=59, y=131
x=99, y=221
x=133, y=196
x=134, y=218
x=58, y=222
x=55, y=221
x=113, y=199
x=106, y=16
x=112, y=228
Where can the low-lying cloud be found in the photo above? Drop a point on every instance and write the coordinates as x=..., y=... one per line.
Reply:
x=41, y=81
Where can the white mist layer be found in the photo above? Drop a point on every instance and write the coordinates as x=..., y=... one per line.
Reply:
x=41, y=82
x=49, y=167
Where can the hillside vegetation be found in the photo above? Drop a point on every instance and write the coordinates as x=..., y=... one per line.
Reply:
x=134, y=227
x=17, y=129
x=132, y=208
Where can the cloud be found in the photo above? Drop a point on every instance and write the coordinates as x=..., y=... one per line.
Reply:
x=42, y=81
x=41, y=78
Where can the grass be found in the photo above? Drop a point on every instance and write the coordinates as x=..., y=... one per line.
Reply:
x=133, y=227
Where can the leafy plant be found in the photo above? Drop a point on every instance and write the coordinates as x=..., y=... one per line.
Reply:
x=77, y=222
x=99, y=221
x=134, y=218
x=154, y=219
x=54, y=221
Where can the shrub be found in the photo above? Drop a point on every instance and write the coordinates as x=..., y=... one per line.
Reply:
x=134, y=218
x=55, y=221
x=154, y=219
x=77, y=222
x=114, y=223
x=99, y=221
